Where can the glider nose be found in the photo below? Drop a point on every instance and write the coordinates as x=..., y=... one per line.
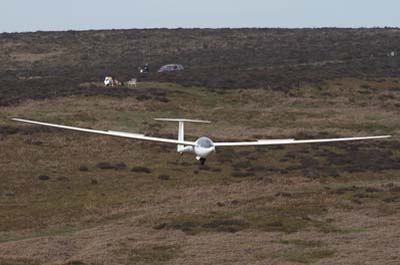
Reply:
x=204, y=147
x=204, y=152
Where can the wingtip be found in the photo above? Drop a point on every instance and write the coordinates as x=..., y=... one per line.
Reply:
x=384, y=136
x=21, y=120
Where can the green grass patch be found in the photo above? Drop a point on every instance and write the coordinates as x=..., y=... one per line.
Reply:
x=305, y=251
x=195, y=224
x=56, y=231
x=153, y=254
x=355, y=230
x=307, y=256
x=18, y=262
x=287, y=218
x=302, y=243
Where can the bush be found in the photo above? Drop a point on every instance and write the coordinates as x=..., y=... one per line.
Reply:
x=238, y=174
x=141, y=170
x=44, y=177
x=94, y=182
x=164, y=177
x=120, y=166
x=105, y=165
x=83, y=168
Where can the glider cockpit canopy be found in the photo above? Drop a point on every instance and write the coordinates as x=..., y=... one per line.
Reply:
x=204, y=142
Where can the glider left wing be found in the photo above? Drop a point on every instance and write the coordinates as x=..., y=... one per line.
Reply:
x=110, y=133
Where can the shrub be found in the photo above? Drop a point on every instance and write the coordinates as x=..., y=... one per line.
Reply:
x=105, y=165
x=44, y=177
x=238, y=174
x=141, y=170
x=164, y=177
x=83, y=168
x=120, y=166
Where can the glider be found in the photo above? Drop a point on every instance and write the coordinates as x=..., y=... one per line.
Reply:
x=202, y=147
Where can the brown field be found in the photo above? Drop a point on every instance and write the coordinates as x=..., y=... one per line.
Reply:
x=79, y=199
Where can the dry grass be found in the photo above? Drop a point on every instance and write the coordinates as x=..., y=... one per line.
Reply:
x=290, y=205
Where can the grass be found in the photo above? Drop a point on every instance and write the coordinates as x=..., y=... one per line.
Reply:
x=18, y=262
x=238, y=193
x=306, y=252
x=195, y=224
x=308, y=256
x=153, y=254
x=291, y=216
x=302, y=243
x=287, y=220
x=66, y=230
x=300, y=251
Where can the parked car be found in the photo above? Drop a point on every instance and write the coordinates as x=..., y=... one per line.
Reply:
x=171, y=68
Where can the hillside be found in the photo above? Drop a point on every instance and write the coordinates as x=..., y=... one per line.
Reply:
x=77, y=199
x=51, y=62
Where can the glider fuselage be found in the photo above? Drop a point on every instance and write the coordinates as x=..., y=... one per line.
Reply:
x=203, y=147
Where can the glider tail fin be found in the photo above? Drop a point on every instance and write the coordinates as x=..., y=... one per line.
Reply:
x=181, y=135
x=181, y=129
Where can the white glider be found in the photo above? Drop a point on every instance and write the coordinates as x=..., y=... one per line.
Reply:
x=204, y=146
